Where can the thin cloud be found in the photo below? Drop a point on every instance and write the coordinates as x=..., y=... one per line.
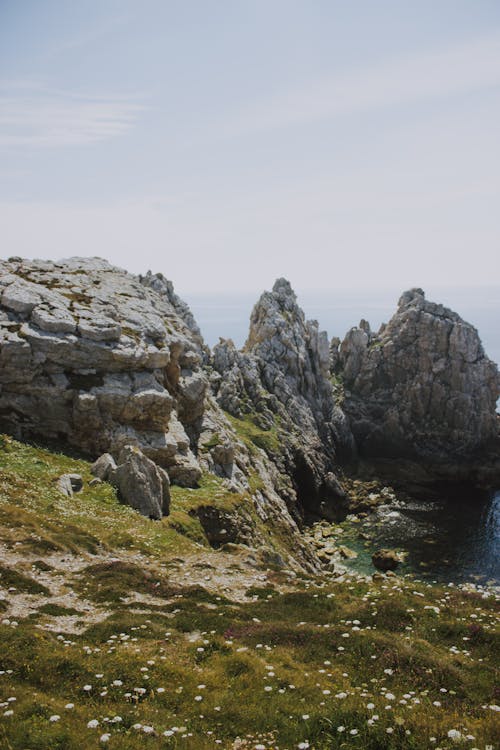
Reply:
x=90, y=35
x=39, y=117
x=459, y=69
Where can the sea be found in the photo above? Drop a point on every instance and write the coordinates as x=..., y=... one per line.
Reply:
x=450, y=541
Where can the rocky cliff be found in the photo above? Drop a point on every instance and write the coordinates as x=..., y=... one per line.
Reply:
x=99, y=359
x=422, y=389
x=94, y=357
x=280, y=381
x=104, y=361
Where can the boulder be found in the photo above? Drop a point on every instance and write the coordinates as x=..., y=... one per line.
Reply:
x=386, y=559
x=223, y=457
x=104, y=467
x=347, y=553
x=141, y=484
x=70, y=483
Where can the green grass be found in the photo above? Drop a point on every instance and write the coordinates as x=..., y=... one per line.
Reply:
x=115, y=580
x=211, y=491
x=254, y=436
x=56, y=610
x=212, y=442
x=38, y=518
x=428, y=652
x=237, y=650
x=20, y=581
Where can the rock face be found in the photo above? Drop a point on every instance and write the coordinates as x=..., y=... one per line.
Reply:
x=282, y=378
x=421, y=388
x=96, y=357
x=112, y=363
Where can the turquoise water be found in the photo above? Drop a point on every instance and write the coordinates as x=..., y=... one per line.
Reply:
x=446, y=541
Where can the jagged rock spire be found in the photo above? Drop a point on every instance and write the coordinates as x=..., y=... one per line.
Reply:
x=283, y=375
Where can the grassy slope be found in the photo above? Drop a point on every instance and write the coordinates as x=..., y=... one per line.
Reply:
x=325, y=651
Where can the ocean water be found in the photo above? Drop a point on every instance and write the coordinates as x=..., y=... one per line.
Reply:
x=447, y=541
x=455, y=540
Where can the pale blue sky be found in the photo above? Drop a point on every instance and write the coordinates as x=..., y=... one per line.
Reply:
x=225, y=143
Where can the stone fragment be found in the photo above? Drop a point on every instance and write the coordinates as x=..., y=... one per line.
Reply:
x=99, y=329
x=165, y=484
x=54, y=320
x=20, y=296
x=64, y=485
x=103, y=467
x=347, y=553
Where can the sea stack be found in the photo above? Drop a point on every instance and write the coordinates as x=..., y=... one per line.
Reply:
x=423, y=389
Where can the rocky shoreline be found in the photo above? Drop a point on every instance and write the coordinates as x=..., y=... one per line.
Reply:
x=296, y=426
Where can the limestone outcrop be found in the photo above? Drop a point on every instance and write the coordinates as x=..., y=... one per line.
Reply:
x=93, y=356
x=421, y=389
x=280, y=383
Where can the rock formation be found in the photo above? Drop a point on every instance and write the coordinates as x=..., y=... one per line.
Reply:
x=104, y=361
x=92, y=356
x=421, y=389
x=281, y=381
x=115, y=364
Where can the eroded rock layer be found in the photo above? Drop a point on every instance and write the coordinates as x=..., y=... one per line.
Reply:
x=91, y=356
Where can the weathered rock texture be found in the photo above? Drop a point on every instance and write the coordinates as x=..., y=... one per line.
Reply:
x=281, y=382
x=68, y=484
x=108, y=362
x=96, y=357
x=421, y=389
x=141, y=483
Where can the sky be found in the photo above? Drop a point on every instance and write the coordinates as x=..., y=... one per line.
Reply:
x=226, y=143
